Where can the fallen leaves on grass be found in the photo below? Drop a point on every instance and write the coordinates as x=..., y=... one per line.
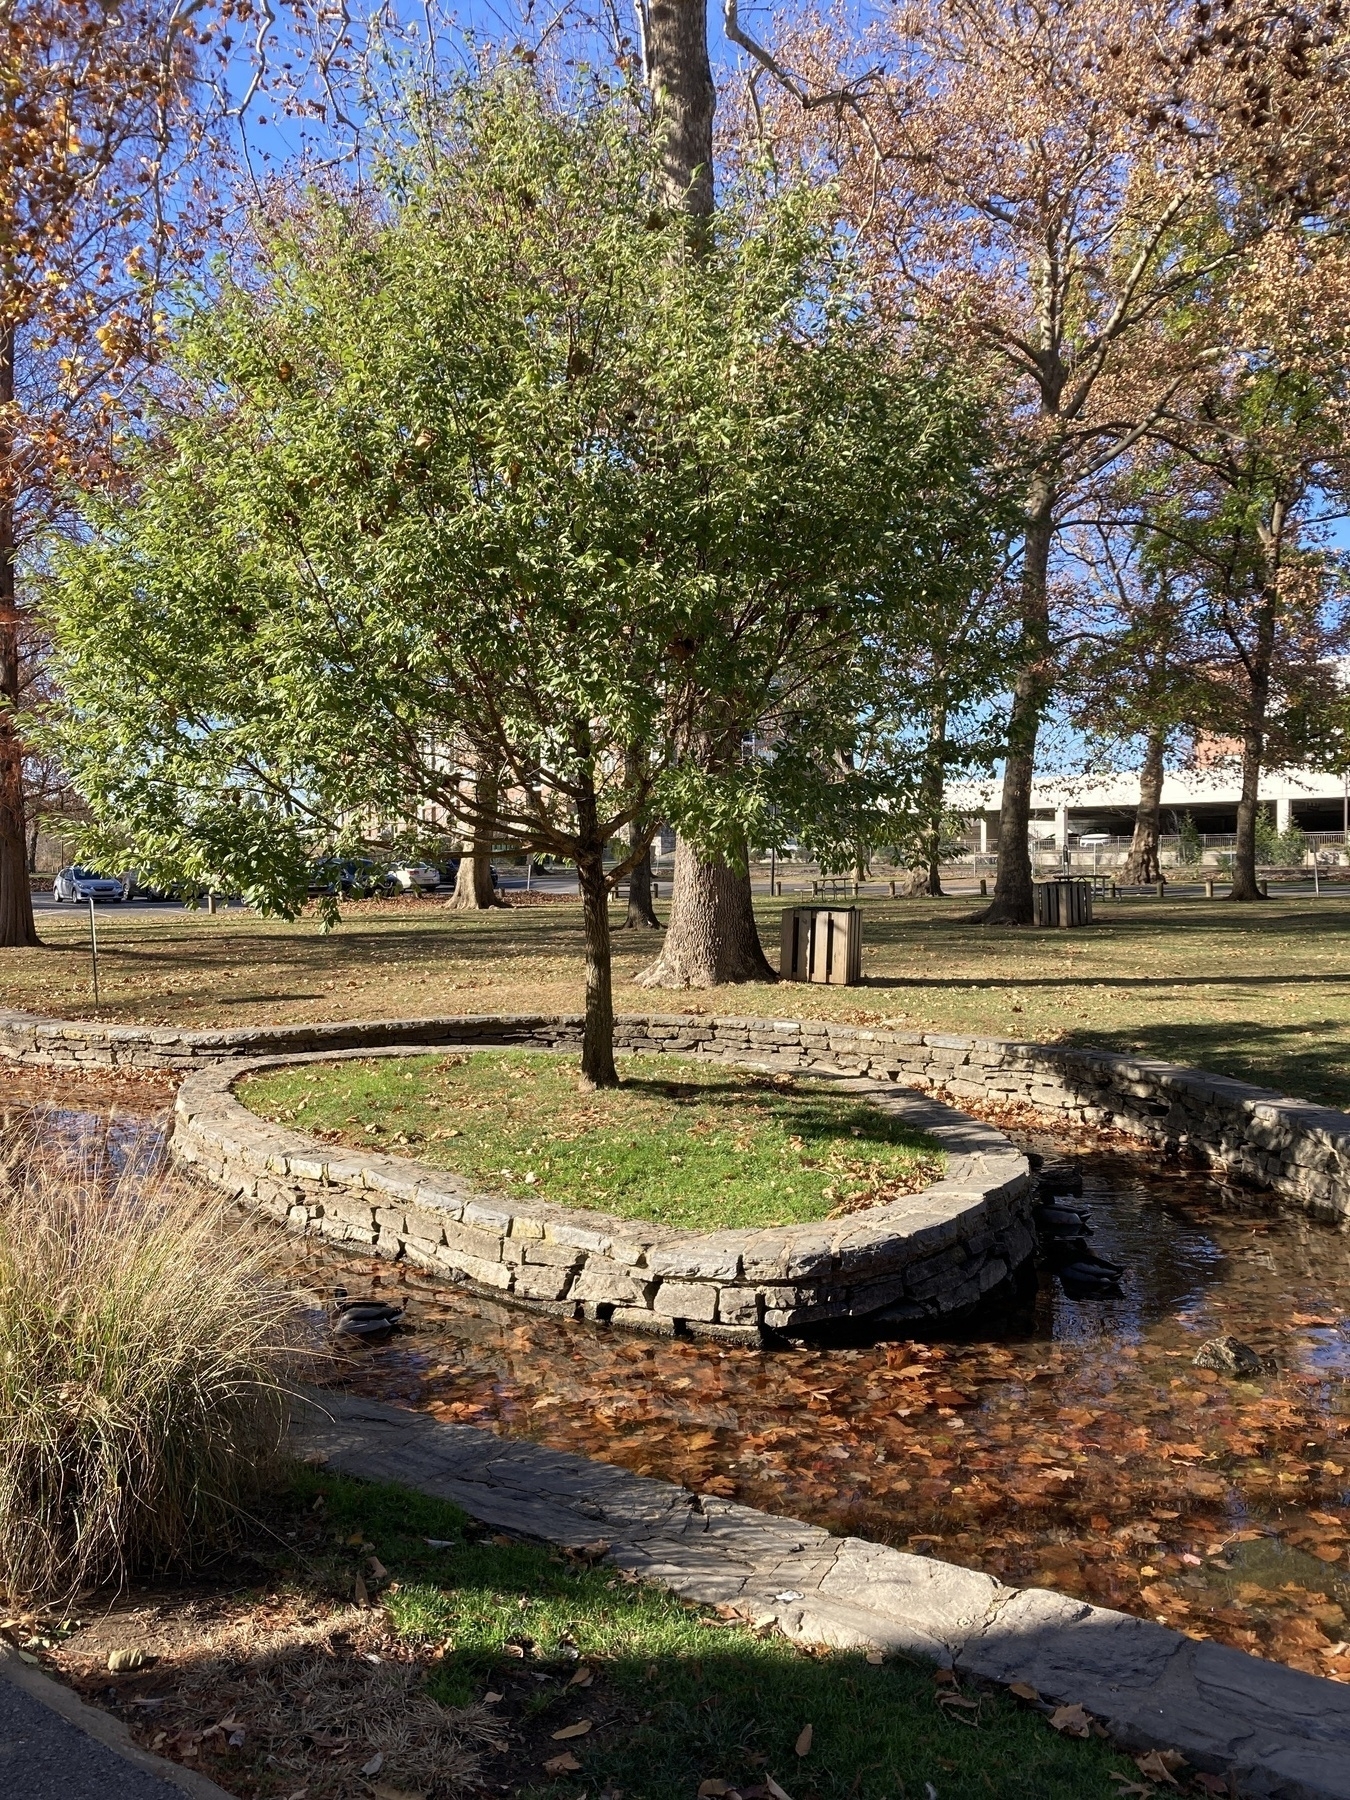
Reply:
x=563, y=1764
x=1072, y=1721
x=579, y=1729
x=803, y=1744
x=293, y=1682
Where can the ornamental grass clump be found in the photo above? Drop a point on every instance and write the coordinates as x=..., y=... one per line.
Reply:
x=144, y=1364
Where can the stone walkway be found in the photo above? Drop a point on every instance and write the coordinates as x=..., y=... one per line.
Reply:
x=1281, y=1735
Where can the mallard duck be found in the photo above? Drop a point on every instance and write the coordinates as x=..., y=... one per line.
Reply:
x=363, y=1318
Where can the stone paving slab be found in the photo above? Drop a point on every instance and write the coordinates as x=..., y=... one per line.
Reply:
x=1281, y=1735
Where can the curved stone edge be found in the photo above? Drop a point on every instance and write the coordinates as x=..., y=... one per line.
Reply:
x=1298, y=1149
x=1280, y=1734
x=920, y=1257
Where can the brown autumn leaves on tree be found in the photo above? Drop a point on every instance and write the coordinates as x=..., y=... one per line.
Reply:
x=1067, y=189
x=93, y=106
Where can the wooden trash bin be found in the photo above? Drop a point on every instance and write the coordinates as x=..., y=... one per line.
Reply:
x=1062, y=902
x=822, y=943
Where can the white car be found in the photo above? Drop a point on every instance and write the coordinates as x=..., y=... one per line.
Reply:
x=81, y=885
x=412, y=878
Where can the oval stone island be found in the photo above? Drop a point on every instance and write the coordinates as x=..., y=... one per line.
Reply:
x=906, y=1261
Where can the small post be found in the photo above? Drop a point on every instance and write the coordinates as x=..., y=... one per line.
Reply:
x=93, y=952
x=815, y=888
x=1209, y=887
x=529, y=871
x=656, y=888
x=773, y=866
x=984, y=887
x=211, y=903
x=1317, y=886
x=892, y=885
x=1162, y=890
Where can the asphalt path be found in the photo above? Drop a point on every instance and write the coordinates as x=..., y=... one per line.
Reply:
x=54, y=1747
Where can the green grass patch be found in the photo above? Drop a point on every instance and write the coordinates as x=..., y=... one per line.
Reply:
x=680, y=1142
x=676, y=1697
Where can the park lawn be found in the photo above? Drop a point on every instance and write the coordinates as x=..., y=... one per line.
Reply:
x=680, y=1142
x=1261, y=992
x=673, y=1695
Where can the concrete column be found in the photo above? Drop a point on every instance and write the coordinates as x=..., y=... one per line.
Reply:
x=1283, y=818
x=984, y=834
x=1061, y=827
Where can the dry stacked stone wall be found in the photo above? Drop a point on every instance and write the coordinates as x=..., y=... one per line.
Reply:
x=927, y=1255
x=1299, y=1149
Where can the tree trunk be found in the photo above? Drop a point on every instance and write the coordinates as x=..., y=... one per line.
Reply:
x=474, y=891
x=641, y=912
x=680, y=77
x=597, y=1041
x=712, y=937
x=1142, y=864
x=1012, y=903
x=1244, y=851
x=1253, y=753
x=17, y=927
x=931, y=790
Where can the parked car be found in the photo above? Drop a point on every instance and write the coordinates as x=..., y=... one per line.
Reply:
x=354, y=877
x=77, y=886
x=133, y=888
x=450, y=872
x=412, y=878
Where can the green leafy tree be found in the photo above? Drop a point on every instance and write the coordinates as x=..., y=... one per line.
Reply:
x=493, y=470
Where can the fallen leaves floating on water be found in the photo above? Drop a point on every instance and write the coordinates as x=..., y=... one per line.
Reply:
x=1099, y=1463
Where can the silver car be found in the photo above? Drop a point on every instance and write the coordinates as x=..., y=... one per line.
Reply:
x=81, y=885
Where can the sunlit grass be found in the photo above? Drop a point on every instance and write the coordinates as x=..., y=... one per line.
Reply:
x=1261, y=992
x=680, y=1142
x=678, y=1696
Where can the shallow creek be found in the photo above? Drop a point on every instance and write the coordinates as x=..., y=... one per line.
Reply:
x=1072, y=1444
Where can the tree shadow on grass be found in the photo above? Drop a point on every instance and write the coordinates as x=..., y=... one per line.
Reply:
x=674, y=1698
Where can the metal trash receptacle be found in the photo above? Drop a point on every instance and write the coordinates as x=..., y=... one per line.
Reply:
x=822, y=943
x=1061, y=903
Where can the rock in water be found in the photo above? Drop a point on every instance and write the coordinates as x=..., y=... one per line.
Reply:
x=1061, y=1177
x=1230, y=1356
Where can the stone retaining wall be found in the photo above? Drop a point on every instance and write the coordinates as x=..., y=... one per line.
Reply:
x=1300, y=1150
x=917, y=1258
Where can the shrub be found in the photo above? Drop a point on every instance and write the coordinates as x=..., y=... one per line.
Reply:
x=143, y=1374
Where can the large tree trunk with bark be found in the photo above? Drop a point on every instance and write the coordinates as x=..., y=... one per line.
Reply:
x=680, y=76
x=1253, y=754
x=712, y=937
x=597, y=1041
x=1142, y=865
x=474, y=891
x=17, y=927
x=1012, y=903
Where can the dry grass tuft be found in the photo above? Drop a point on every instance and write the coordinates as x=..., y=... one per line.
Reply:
x=144, y=1360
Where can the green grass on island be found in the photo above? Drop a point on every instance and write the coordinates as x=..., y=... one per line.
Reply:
x=700, y=1145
